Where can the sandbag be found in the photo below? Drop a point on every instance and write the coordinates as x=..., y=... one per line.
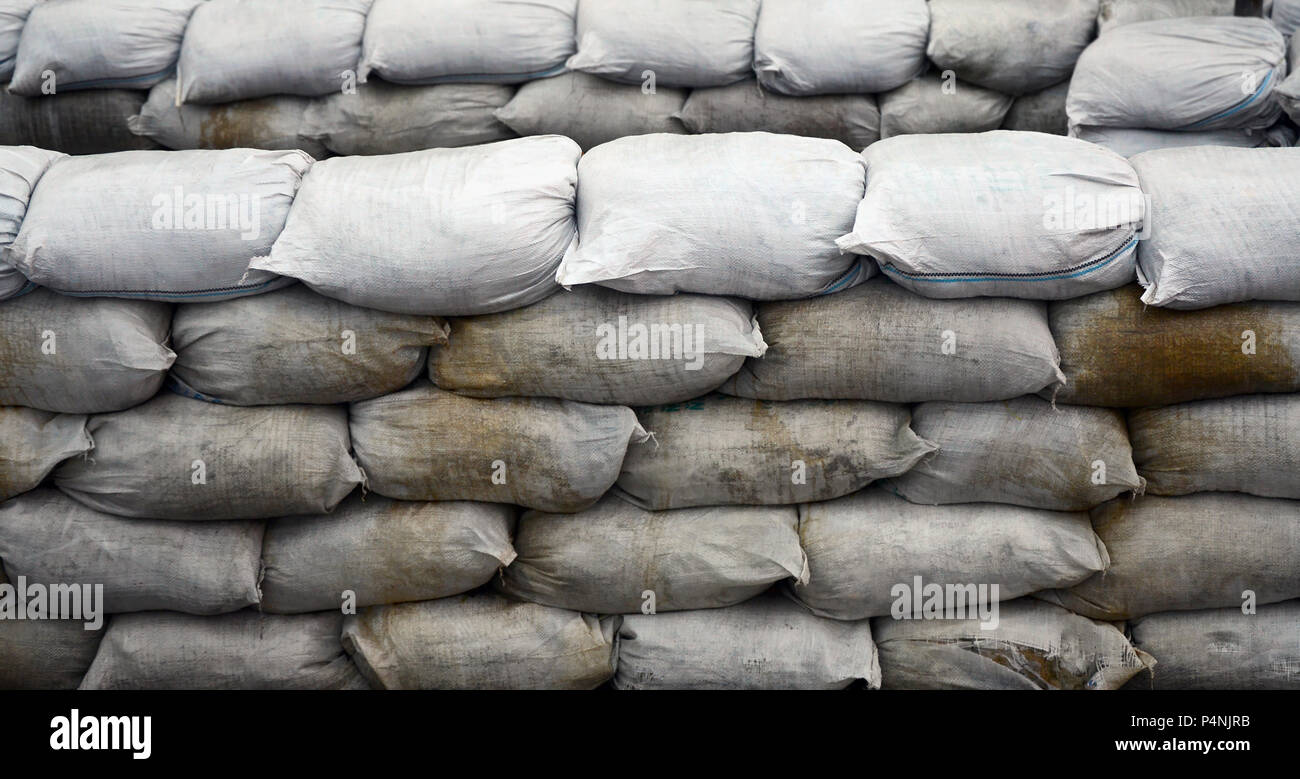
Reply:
x=1013, y=46
x=615, y=558
x=1116, y=351
x=720, y=450
x=13, y=14
x=175, y=225
x=1040, y=112
x=1287, y=93
x=767, y=643
x=763, y=227
x=853, y=120
x=1220, y=649
x=1234, y=241
x=677, y=43
x=1019, y=214
x=241, y=49
x=1115, y=13
x=1026, y=452
x=600, y=346
x=82, y=355
x=833, y=46
x=878, y=341
x=161, y=650
x=97, y=44
x=32, y=443
x=1286, y=16
x=1128, y=142
x=91, y=121
x=143, y=564
x=375, y=551
x=45, y=654
x=1036, y=646
x=552, y=455
x=1194, y=73
x=294, y=346
x=591, y=110
x=20, y=168
x=932, y=104
x=178, y=458
x=450, y=232
x=861, y=546
x=430, y=41
x=1248, y=443
x=480, y=642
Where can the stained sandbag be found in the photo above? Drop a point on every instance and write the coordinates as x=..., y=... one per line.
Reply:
x=143, y=564
x=447, y=232
x=430, y=41
x=45, y=654
x=1026, y=452
x=937, y=104
x=237, y=50
x=853, y=120
x=1040, y=112
x=13, y=14
x=615, y=558
x=1116, y=351
x=20, y=168
x=374, y=550
x=295, y=346
x=591, y=110
x=678, y=43
x=1128, y=142
x=33, y=442
x=1115, y=13
x=1019, y=214
x=861, y=546
x=879, y=341
x=763, y=227
x=480, y=642
x=178, y=458
x=98, y=44
x=600, y=346
x=162, y=650
x=552, y=455
x=92, y=121
x=1035, y=646
x=766, y=643
x=719, y=450
x=835, y=46
x=82, y=355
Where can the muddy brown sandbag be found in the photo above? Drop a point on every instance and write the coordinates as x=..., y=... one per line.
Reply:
x=45, y=654
x=33, y=442
x=853, y=120
x=591, y=110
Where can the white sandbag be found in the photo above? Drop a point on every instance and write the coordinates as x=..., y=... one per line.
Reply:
x=388, y=119
x=860, y=547
x=1286, y=16
x=162, y=650
x=143, y=564
x=82, y=355
x=91, y=121
x=615, y=558
x=552, y=455
x=1040, y=112
x=20, y=168
x=450, y=232
x=173, y=225
x=1248, y=443
x=32, y=443
x=45, y=654
x=600, y=346
x=294, y=346
x=13, y=14
x=672, y=43
x=1128, y=142
x=480, y=642
x=1197, y=73
x=97, y=44
x=878, y=341
x=241, y=49
x=1115, y=13
x=767, y=643
x=1287, y=94
x=1231, y=241
x=748, y=214
x=720, y=450
x=1013, y=46
x=591, y=110
x=1035, y=646
x=430, y=41
x=1221, y=649
x=178, y=458
x=834, y=46
x=1015, y=214
x=934, y=104
x=1026, y=452
x=375, y=551
x=853, y=120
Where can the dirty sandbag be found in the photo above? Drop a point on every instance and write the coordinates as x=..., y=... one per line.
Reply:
x=13, y=15
x=591, y=110
x=33, y=442
x=20, y=168
x=45, y=654
x=937, y=104
x=598, y=345
x=1128, y=141
x=1287, y=93
x=1040, y=112
x=1286, y=16
x=1116, y=13
x=853, y=120
x=615, y=558
x=480, y=642
x=91, y=121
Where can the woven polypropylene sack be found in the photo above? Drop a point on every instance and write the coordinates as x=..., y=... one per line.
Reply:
x=1116, y=13
x=853, y=120
x=33, y=442
x=935, y=103
x=45, y=654
x=13, y=14
x=20, y=168
x=591, y=110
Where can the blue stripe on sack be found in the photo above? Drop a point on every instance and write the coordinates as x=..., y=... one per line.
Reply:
x=185, y=391
x=1239, y=107
x=115, y=82
x=853, y=273
x=1132, y=242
